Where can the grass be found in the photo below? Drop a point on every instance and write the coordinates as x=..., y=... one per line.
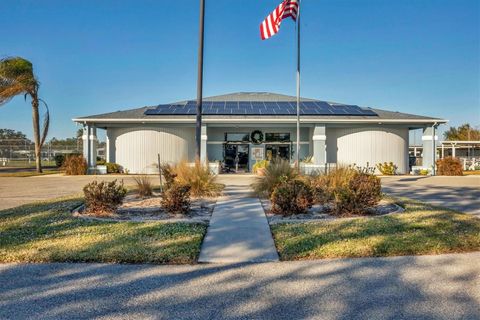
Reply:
x=471, y=173
x=47, y=232
x=28, y=164
x=24, y=174
x=422, y=229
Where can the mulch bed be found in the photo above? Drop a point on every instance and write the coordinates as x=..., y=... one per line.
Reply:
x=150, y=209
x=322, y=212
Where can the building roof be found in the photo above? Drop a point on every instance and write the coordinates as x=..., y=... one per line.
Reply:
x=138, y=114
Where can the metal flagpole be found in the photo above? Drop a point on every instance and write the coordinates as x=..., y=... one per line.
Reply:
x=298, y=87
x=198, y=128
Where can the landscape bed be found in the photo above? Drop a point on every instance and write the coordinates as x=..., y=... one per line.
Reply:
x=135, y=208
x=421, y=229
x=48, y=232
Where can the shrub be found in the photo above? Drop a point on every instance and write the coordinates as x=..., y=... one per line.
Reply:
x=388, y=169
x=449, y=166
x=144, y=186
x=59, y=160
x=424, y=172
x=176, y=199
x=102, y=198
x=362, y=191
x=325, y=186
x=276, y=172
x=113, y=167
x=291, y=197
x=101, y=162
x=168, y=174
x=75, y=165
x=347, y=190
x=200, y=179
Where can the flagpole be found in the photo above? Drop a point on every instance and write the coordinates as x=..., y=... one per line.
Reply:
x=198, y=125
x=298, y=87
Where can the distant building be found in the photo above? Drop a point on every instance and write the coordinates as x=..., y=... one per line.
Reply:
x=242, y=128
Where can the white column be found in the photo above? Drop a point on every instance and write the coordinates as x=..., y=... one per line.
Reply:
x=86, y=144
x=203, y=147
x=93, y=147
x=319, y=144
x=453, y=150
x=428, y=142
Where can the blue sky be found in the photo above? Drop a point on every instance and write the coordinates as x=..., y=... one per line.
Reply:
x=416, y=56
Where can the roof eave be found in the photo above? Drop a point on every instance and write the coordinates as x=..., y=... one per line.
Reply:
x=431, y=121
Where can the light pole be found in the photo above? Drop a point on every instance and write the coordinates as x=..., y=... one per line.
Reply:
x=198, y=127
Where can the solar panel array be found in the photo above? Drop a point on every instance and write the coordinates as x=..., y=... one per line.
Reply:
x=261, y=108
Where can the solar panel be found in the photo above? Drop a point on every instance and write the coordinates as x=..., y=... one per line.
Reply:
x=264, y=108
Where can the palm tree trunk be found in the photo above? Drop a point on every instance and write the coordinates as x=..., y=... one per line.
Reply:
x=36, y=133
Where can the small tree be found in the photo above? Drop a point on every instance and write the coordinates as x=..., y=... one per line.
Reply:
x=17, y=78
x=463, y=133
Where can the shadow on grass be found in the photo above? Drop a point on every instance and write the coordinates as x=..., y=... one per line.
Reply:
x=422, y=229
x=47, y=232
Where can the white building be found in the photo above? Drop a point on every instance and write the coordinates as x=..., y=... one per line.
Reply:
x=242, y=128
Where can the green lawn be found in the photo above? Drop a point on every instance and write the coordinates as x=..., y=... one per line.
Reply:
x=29, y=173
x=28, y=164
x=422, y=229
x=47, y=232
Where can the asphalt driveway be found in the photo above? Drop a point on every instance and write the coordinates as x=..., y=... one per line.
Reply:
x=457, y=193
x=423, y=287
x=16, y=191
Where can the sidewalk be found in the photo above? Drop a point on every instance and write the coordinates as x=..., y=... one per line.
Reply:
x=239, y=230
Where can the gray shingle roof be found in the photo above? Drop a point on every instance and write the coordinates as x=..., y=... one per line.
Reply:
x=138, y=113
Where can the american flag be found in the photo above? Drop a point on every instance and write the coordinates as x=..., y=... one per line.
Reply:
x=271, y=25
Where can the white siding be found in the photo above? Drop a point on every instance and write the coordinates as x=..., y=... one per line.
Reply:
x=368, y=145
x=136, y=149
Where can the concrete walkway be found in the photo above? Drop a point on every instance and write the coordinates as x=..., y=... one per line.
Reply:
x=444, y=287
x=239, y=230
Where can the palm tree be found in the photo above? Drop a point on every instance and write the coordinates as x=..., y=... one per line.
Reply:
x=17, y=78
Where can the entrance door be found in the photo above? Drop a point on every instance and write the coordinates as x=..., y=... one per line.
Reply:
x=236, y=157
x=277, y=151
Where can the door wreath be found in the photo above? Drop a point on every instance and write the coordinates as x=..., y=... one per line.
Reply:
x=257, y=136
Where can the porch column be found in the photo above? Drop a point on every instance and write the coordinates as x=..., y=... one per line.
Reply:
x=319, y=144
x=428, y=141
x=86, y=144
x=203, y=146
x=93, y=147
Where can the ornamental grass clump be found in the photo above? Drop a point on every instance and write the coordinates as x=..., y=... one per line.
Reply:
x=291, y=197
x=347, y=191
x=199, y=177
x=144, y=186
x=449, y=166
x=278, y=171
x=103, y=198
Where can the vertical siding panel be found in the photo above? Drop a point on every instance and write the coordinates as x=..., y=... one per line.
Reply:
x=372, y=145
x=136, y=149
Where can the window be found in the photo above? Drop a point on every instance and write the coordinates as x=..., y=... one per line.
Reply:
x=237, y=137
x=277, y=137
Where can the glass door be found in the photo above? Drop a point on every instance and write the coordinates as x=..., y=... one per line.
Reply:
x=236, y=157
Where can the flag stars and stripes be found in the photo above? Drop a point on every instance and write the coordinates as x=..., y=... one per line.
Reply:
x=271, y=24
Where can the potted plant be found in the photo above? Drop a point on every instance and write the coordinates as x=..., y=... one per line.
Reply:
x=260, y=166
